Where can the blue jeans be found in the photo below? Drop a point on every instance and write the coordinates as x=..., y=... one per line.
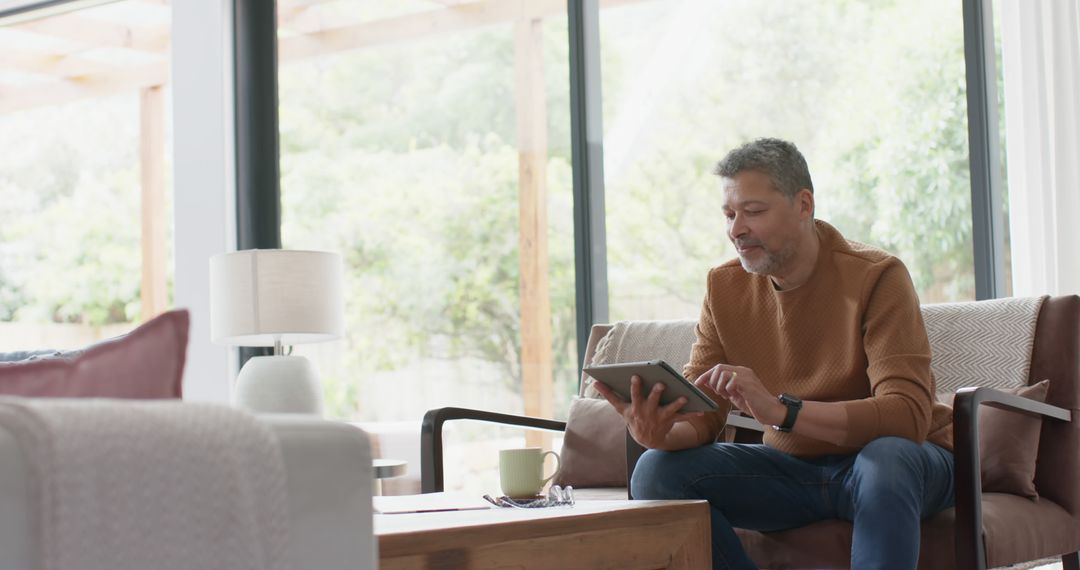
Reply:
x=885, y=490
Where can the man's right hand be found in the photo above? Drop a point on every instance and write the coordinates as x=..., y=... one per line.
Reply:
x=649, y=422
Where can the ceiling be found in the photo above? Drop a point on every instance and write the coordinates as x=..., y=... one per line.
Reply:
x=107, y=47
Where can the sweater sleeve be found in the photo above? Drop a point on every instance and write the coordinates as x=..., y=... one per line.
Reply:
x=898, y=362
x=706, y=353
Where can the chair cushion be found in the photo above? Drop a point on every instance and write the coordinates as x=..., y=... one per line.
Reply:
x=594, y=446
x=148, y=362
x=1009, y=445
x=1016, y=530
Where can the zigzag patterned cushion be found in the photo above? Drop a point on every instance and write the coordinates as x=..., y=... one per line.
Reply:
x=984, y=343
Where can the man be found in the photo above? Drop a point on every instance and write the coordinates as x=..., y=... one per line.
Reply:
x=822, y=341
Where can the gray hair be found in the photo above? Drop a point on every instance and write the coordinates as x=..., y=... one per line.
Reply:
x=779, y=159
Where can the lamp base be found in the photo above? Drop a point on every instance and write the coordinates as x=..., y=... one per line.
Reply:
x=279, y=385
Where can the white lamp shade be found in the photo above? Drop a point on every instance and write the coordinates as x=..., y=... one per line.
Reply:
x=261, y=295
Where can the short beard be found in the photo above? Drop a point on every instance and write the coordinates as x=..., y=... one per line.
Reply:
x=772, y=263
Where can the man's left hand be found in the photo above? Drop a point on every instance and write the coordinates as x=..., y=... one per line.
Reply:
x=741, y=386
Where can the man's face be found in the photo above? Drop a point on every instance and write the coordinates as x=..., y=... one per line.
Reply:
x=761, y=222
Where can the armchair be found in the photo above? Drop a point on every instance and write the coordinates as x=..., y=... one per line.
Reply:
x=979, y=350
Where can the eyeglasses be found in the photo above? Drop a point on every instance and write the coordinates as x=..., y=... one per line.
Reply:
x=557, y=497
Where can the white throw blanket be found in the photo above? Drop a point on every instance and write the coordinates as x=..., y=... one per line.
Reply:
x=126, y=485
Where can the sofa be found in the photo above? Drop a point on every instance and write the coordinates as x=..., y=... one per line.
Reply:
x=990, y=356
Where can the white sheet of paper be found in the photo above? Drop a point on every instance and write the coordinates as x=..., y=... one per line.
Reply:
x=428, y=503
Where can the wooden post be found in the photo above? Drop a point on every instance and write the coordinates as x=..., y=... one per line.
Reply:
x=154, y=297
x=536, y=357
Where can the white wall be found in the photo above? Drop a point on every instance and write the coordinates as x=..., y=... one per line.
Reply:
x=204, y=179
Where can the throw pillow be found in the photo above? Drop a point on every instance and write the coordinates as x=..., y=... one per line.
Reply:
x=147, y=363
x=594, y=446
x=1009, y=445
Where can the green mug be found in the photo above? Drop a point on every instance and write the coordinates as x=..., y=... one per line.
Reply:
x=521, y=471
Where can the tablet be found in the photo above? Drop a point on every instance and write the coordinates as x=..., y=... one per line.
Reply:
x=617, y=376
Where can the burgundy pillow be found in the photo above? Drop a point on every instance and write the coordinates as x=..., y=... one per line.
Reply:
x=1009, y=445
x=147, y=363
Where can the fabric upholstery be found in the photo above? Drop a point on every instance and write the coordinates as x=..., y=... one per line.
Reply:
x=147, y=363
x=195, y=466
x=596, y=333
x=982, y=343
x=594, y=446
x=592, y=420
x=328, y=480
x=1016, y=529
x=1056, y=356
x=635, y=341
x=1009, y=445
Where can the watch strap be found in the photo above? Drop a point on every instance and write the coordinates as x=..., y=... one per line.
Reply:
x=793, y=406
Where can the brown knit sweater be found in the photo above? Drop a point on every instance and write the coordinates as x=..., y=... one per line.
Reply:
x=852, y=333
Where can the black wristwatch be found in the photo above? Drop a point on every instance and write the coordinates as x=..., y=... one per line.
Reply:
x=793, y=404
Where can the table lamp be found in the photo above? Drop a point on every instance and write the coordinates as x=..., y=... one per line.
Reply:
x=276, y=297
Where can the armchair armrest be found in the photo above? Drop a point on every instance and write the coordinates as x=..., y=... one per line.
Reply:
x=970, y=551
x=431, y=448
x=739, y=421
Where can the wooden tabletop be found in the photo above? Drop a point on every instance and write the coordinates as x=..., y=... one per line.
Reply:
x=591, y=534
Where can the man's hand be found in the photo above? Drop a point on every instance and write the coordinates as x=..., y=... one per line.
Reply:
x=648, y=421
x=745, y=391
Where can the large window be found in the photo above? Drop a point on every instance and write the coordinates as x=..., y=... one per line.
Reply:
x=428, y=141
x=85, y=207
x=873, y=94
x=430, y=145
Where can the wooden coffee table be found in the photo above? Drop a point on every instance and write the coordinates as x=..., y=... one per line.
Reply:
x=590, y=535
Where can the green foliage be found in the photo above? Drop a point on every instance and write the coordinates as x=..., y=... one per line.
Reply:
x=70, y=222
x=873, y=94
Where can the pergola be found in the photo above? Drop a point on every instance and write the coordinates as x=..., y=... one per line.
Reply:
x=123, y=46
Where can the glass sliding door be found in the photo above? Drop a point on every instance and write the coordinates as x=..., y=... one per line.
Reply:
x=428, y=142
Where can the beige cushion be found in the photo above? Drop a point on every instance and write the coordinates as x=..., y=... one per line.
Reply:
x=982, y=343
x=636, y=341
x=1009, y=445
x=594, y=446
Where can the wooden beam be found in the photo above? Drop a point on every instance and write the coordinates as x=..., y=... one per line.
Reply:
x=530, y=100
x=95, y=85
x=97, y=33
x=368, y=34
x=416, y=26
x=58, y=65
x=154, y=292
x=461, y=17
